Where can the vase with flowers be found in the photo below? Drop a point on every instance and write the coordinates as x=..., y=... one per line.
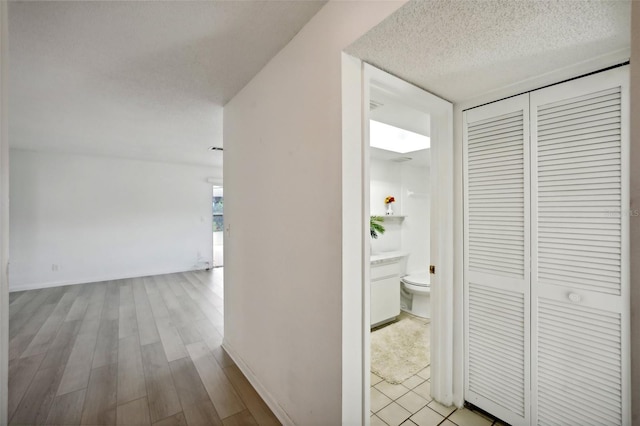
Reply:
x=388, y=201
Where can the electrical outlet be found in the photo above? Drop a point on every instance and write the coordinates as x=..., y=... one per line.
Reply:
x=54, y=267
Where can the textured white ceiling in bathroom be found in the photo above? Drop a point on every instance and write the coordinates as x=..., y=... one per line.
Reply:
x=390, y=110
x=394, y=113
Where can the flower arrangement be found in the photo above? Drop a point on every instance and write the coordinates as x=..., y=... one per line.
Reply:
x=390, y=199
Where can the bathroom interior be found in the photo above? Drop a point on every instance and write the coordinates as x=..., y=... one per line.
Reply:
x=400, y=291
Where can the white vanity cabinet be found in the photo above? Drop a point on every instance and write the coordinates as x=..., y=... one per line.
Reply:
x=385, y=290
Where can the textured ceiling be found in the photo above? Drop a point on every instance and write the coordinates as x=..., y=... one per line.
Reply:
x=138, y=79
x=460, y=50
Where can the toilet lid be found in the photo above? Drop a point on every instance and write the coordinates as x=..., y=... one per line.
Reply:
x=417, y=279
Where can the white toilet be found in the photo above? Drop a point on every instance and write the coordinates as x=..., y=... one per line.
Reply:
x=416, y=294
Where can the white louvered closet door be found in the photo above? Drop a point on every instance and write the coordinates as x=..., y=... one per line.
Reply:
x=496, y=261
x=580, y=254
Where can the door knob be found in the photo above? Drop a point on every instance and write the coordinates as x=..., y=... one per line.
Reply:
x=575, y=298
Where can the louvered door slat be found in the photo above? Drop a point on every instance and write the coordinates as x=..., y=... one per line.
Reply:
x=483, y=145
x=579, y=128
x=565, y=122
x=497, y=270
x=580, y=252
x=512, y=366
x=579, y=139
x=488, y=141
x=593, y=179
x=511, y=344
x=496, y=170
x=497, y=143
x=578, y=132
x=602, y=109
x=584, y=154
x=578, y=102
x=598, y=381
x=493, y=121
x=578, y=146
x=582, y=263
x=496, y=126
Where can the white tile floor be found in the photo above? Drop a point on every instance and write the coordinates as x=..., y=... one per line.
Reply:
x=410, y=404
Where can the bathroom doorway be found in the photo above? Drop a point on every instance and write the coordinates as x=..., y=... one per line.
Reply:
x=363, y=87
x=399, y=205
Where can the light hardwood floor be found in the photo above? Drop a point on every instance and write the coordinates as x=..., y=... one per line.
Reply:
x=140, y=351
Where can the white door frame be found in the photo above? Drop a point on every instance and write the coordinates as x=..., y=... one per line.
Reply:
x=356, y=82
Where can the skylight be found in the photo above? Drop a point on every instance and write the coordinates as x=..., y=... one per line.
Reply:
x=394, y=139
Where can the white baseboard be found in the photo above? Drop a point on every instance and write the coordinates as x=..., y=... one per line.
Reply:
x=98, y=279
x=264, y=394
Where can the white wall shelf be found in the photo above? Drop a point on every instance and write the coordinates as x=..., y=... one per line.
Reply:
x=392, y=217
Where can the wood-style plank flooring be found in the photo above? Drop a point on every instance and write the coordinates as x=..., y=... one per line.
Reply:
x=141, y=351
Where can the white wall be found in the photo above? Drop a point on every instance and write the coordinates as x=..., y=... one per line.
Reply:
x=100, y=218
x=283, y=204
x=386, y=180
x=416, y=226
x=410, y=235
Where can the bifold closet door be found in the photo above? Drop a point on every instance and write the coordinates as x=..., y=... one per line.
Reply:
x=580, y=251
x=496, y=258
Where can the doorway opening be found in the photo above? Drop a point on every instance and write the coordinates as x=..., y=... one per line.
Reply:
x=399, y=202
x=218, y=226
x=427, y=204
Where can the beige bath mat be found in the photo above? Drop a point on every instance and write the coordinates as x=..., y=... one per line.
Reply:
x=400, y=350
